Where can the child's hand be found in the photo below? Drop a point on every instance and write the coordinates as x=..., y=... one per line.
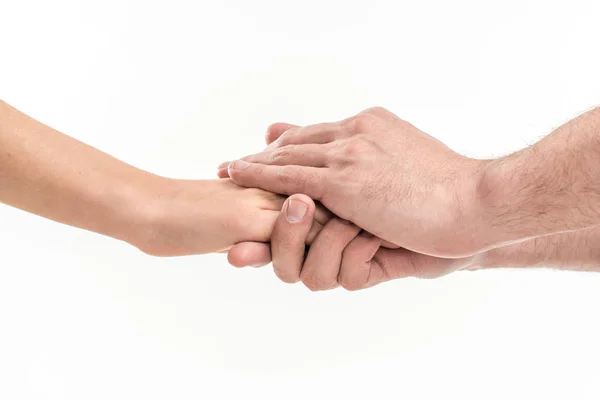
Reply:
x=197, y=217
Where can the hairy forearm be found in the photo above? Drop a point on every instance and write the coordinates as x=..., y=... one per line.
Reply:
x=55, y=176
x=578, y=250
x=548, y=188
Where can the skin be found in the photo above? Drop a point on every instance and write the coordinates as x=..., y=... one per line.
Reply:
x=47, y=173
x=50, y=174
x=342, y=254
x=370, y=170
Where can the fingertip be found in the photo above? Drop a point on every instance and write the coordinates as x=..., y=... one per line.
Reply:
x=236, y=170
x=298, y=209
x=223, y=173
x=249, y=254
x=303, y=198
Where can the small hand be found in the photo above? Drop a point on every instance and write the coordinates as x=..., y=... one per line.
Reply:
x=188, y=217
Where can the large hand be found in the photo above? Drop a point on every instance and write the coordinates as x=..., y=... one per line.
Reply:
x=339, y=255
x=258, y=254
x=381, y=173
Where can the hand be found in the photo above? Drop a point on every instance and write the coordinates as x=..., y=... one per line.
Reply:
x=257, y=254
x=381, y=173
x=342, y=255
x=196, y=217
x=47, y=173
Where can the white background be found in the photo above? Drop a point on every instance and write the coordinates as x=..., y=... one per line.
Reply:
x=176, y=87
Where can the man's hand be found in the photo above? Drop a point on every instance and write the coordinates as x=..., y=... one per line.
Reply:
x=381, y=173
x=341, y=254
x=404, y=186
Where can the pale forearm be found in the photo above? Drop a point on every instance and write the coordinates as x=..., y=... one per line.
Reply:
x=47, y=173
x=550, y=187
x=55, y=176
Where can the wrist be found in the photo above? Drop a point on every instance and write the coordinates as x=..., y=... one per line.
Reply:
x=138, y=209
x=468, y=230
x=510, y=196
x=176, y=217
x=494, y=209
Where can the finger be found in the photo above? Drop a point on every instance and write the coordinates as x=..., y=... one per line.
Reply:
x=288, y=179
x=355, y=272
x=320, y=219
x=390, y=264
x=274, y=131
x=322, y=214
x=322, y=265
x=249, y=254
x=309, y=155
x=288, y=241
x=384, y=243
x=224, y=164
x=223, y=173
x=256, y=254
x=316, y=134
x=389, y=245
x=314, y=231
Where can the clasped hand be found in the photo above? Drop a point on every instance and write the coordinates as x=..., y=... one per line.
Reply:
x=387, y=183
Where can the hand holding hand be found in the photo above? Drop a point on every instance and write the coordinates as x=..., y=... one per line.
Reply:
x=340, y=254
x=381, y=173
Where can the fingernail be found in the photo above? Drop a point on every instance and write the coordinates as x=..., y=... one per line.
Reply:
x=296, y=210
x=240, y=165
x=224, y=165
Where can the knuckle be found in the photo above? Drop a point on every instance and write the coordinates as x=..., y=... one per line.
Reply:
x=353, y=280
x=286, y=276
x=377, y=110
x=354, y=148
x=254, y=172
x=281, y=154
x=351, y=285
x=299, y=181
x=285, y=242
x=329, y=238
x=315, y=282
x=366, y=122
x=277, y=132
x=287, y=137
x=354, y=275
x=285, y=176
